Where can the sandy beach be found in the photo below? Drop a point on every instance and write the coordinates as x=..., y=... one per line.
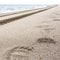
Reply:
x=34, y=35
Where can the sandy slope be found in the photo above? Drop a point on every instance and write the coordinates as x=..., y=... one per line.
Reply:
x=27, y=31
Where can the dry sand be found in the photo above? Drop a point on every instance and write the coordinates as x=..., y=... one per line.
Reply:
x=36, y=37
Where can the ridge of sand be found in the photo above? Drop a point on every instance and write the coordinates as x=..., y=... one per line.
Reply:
x=16, y=16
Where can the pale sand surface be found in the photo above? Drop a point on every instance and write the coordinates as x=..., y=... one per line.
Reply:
x=27, y=31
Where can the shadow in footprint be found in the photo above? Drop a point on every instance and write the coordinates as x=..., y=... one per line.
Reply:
x=46, y=40
x=56, y=20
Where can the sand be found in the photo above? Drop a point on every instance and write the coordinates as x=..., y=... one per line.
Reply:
x=36, y=37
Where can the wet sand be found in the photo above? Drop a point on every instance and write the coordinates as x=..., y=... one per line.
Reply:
x=35, y=37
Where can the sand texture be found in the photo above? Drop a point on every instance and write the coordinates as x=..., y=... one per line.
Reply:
x=32, y=37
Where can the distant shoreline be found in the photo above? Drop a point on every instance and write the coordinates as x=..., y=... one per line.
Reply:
x=6, y=8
